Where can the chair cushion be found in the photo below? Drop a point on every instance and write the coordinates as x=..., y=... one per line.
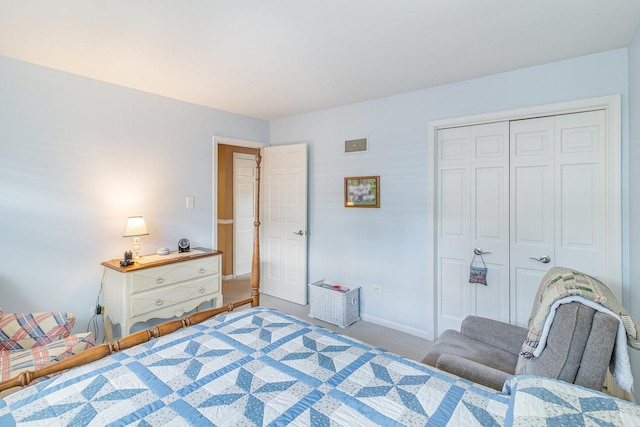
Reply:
x=12, y=363
x=565, y=346
x=495, y=333
x=24, y=330
x=454, y=343
x=598, y=352
x=473, y=371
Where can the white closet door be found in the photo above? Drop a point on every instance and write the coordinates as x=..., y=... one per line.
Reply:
x=562, y=192
x=581, y=193
x=532, y=210
x=473, y=212
x=558, y=202
x=454, y=221
x=490, y=217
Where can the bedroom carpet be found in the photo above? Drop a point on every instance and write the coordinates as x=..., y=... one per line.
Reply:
x=397, y=342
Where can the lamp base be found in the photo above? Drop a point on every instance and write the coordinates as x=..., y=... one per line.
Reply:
x=136, y=247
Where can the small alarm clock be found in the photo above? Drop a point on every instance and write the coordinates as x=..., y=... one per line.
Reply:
x=128, y=259
x=184, y=245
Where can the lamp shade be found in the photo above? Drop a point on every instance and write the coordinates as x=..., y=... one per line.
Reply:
x=135, y=227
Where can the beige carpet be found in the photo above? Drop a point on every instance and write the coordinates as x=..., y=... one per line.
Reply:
x=397, y=342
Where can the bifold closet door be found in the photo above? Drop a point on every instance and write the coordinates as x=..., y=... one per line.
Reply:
x=473, y=213
x=558, y=201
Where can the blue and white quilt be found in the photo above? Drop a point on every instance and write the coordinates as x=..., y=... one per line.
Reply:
x=254, y=367
x=545, y=402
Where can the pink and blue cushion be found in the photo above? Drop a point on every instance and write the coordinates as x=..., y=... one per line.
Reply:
x=30, y=341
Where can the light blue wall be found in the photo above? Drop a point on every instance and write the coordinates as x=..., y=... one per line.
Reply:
x=77, y=157
x=388, y=246
x=633, y=164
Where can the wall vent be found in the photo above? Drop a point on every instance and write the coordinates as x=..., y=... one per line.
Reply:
x=355, y=145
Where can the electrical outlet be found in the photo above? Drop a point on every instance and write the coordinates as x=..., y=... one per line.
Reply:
x=96, y=310
x=377, y=289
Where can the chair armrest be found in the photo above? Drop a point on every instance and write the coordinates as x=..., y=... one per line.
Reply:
x=25, y=330
x=472, y=371
x=498, y=334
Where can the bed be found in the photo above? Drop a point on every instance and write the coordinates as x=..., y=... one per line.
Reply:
x=254, y=367
x=233, y=366
x=258, y=366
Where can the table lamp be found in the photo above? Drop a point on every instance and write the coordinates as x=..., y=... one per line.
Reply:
x=135, y=228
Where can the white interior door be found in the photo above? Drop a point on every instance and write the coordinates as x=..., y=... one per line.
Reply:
x=284, y=222
x=564, y=197
x=454, y=220
x=581, y=193
x=531, y=194
x=558, y=199
x=532, y=208
x=490, y=217
x=473, y=213
x=244, y=186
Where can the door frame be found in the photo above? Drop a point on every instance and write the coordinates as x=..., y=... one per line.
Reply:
x=611, y=105
x=214, y=179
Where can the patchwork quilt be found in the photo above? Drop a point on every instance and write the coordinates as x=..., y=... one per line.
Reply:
x=545, y=402
x=255, y=367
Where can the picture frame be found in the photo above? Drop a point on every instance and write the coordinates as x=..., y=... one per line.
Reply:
x=362, y=192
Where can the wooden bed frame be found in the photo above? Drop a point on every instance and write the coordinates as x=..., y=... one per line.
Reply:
x=140, y=337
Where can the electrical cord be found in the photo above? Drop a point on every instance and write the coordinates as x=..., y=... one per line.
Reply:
x=93, y=320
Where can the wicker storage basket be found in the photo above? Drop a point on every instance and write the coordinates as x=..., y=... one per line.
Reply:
x=334, y=306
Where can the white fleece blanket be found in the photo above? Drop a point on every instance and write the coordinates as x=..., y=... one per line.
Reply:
x=620, y=365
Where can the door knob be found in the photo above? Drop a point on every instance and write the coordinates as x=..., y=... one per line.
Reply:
x=479, y=251
x=299, y=233
x=543, y=259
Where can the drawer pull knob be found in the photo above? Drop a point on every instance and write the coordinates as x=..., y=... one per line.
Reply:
x=201, y=290
x=159, y=280
x=202, y=270
x=159, y=302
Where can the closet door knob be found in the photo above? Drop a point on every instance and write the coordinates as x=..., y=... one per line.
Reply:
x=479, y=251
x=545, y=259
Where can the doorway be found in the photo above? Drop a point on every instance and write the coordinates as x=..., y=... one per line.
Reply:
x=283, y=215
x=223, y=215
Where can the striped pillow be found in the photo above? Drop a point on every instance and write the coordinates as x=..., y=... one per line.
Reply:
x=12, y=363
x=23, y=330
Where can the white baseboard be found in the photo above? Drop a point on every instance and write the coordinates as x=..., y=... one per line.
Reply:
x=398, y=327
x=229, y=277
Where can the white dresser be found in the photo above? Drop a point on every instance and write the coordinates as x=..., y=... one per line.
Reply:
x=160, y=287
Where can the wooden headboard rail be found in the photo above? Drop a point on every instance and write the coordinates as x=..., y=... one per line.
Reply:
x=103, y=350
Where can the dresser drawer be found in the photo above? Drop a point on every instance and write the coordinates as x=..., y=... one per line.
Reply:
x=167, y=296
x=151, y=278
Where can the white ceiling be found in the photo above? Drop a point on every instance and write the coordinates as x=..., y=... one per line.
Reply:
x=273, y=59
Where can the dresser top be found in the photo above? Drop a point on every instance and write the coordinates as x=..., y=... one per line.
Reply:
x=149, y=261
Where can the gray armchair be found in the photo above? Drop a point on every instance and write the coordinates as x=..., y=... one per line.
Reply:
x=579, y=348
